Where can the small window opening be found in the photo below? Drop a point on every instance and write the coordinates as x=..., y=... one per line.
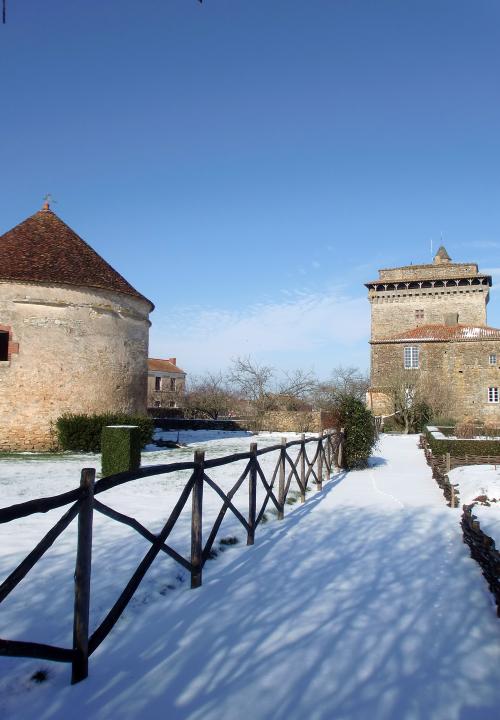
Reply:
x=493, y=359
x=492, y=394
x=4, y=346
x=172, y=383
x=419, y=314
x=157, y=384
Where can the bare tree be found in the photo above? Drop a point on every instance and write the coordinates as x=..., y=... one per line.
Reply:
x=209, y=396
x=344, y=382
x=416, y=397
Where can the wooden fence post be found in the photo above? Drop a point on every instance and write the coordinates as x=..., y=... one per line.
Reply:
x=448, y=463
x=252, y=494
x=197, y=520
x=281, y=480
x=329, y=454
x=452, y=496
x=303, y=468
x=319, y=482
x=340, y=453
x=80, y=662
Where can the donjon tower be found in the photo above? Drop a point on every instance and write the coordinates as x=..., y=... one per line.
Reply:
x=431, y=319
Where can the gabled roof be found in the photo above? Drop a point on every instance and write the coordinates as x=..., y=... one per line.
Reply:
x=44, y=249
x=157, y=365
x=443, y=333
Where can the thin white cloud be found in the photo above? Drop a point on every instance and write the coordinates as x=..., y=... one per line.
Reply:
x=319, y=330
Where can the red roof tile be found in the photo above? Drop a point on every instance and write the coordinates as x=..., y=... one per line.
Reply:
x=157, y=365
x=444, y=333
x=44, y=249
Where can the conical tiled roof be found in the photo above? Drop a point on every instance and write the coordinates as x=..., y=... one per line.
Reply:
x=442, y=255
x=44, y=249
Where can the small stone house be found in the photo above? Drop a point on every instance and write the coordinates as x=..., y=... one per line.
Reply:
x=430, y=320
x=166, y=383
x=73, y=333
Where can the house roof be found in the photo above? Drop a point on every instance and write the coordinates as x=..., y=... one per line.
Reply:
x=443, y=333
x=44, y=249
x=157, y=365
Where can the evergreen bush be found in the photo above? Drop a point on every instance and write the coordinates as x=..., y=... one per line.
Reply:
x=360, y=432
x=121, y=449
x=82, y=433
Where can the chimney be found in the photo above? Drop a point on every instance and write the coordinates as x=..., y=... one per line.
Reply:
x=451, y=319
x=173, y=361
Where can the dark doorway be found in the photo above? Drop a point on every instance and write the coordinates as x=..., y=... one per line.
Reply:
x=4, y=346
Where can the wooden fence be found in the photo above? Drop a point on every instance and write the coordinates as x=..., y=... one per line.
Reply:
x=82, y=500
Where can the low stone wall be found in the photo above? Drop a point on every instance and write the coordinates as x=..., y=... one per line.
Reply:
x=287, y=421
x=438, y=467
x=483, y=550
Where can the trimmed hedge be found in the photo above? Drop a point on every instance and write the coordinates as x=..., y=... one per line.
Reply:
x=360, y=433
x=82, y=433
x=121, y=449
x=459, y=448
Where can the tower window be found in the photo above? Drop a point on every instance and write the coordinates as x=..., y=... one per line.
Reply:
x=493, y=359
x=492, y=394
x=419, y=314
x=4, y=346
x=411, y=358
x=157, y=384
x=172, y=383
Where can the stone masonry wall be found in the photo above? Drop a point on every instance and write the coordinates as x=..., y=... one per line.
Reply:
x=394, y=311
x=462, y=367
x=79, y=350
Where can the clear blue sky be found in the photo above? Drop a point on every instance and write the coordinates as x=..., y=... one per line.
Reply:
x=249, y=164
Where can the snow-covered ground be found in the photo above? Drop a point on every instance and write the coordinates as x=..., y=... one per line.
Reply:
x=362, y=603
x=481, y=481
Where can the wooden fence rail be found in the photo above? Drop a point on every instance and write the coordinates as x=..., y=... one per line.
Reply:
x=327, y=454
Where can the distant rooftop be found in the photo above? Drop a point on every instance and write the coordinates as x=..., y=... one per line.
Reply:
x=158, y=365
x=443, y=333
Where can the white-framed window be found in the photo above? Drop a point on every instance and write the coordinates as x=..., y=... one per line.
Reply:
x=172, y=384
x=493, y=359
x=411, y=358
x=492, y=394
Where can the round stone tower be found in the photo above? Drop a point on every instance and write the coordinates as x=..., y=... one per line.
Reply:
x=73, y=333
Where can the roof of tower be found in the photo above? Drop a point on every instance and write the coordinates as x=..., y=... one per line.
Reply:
x=44, y=249
x=442, y=255
x=443, y=333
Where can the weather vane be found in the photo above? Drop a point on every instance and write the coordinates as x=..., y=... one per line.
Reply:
x=47, y=200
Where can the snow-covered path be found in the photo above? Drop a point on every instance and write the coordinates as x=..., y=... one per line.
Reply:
x=363, y=603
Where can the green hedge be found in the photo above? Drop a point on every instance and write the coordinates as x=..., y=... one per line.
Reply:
x=360, y=433
x=121, y=449
x=459, y=448
x=82, y=433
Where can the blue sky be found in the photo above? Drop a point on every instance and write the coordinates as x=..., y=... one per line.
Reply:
x=249, y=164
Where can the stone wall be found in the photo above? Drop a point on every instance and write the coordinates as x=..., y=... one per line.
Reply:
x=429, y=272
x=483, y=550
x=288, y=421
x=394, y=311
x=460, y=368
x=78, y=350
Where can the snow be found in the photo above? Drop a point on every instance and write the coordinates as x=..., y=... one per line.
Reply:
x=481, y=481
x=361, y=603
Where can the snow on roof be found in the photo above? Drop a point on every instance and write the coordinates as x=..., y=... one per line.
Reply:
x=443, y=333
